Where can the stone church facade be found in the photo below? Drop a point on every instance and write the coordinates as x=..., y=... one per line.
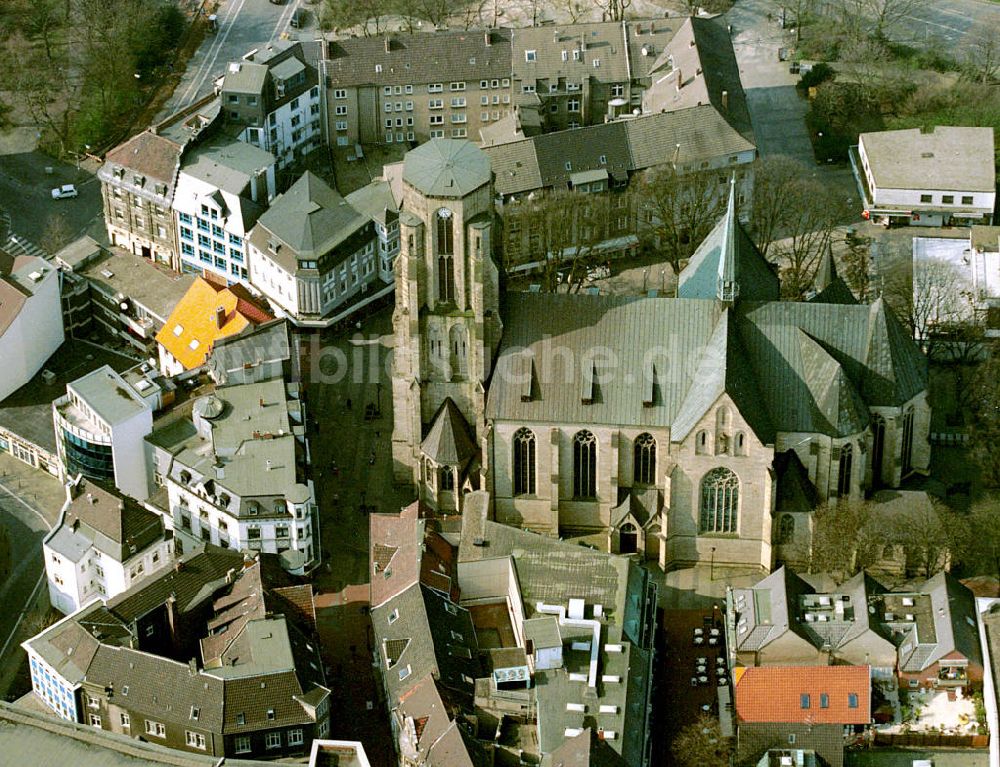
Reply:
x=705, y=427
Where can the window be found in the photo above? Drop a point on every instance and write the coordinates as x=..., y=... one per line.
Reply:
x=437, y=134
x=404, y=672
x=270, y=714
x=530, y=56
x=617, y=91
x=844, y=478
x=584, y=465
x=458, y=102
x=95, y=720
x=701, y=442
x=878, y=448
x=852, y=700
x=393, y=616
x=155, y=728
x=644, y=460
x=824, y=700
x=435, y=87
x=948, y=199
x=407, y=89
x=967, y=199
x=194, y=739
x=446, y=478
x=340, y=93
x=458, y=86
x=272, y=740
x=241, y=719
x=341, y=110
x=524, y=462
x=597, y=63
x=341, y=125
x=446, y=250
x=925, y=198
x=786, y=528
x=720, y=490
x=242, y=744
x=528, y=88
x=907, y=453
x=804, y=701
x=295, y=738
x=126, y=720
x=435, y=103
x=195, y=713
x=573, y=105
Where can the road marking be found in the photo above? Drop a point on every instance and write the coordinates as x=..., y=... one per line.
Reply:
x=27, y=505
x=20, y=618
x=203, y=72
x=282, y=21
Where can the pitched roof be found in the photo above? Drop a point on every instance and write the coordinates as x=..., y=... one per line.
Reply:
x=206, y=313
x=420, y=58
x=151, y=156
x=449, y=440
x=395, y=554
x=807, y=694
x=406, y=644
x=263, y=348
x=950, y=158
x=310, y=219
x=446, y=168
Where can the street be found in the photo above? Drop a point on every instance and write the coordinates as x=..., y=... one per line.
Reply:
x=242, y=26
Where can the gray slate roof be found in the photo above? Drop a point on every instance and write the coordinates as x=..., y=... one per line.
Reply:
x=446, y=168
x=449, y=441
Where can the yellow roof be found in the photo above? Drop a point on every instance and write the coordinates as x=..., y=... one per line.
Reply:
x=205, y=314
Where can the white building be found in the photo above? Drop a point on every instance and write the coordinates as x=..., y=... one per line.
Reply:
x=273, y=94
x=238, y=478
x=927, y=176
x=102, y=544
x=984, y=248
x=222, y=187
x=31, y=320
x=376, y=201
x=100, y=424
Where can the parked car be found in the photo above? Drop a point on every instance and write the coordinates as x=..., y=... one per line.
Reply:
x=298, y=18
x=64, y=191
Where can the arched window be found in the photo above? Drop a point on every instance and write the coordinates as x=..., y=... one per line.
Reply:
x=644, y=460
x=584, y=465
x=524, y=462
x=458, y=347
x=741, y=443
x=846, y=469
x=786, y=528
x=447, y=475
x=628, y=539
x=701, y=442
x=446, y=255
x=878, y=449
x=720, y=498
x=907, y=455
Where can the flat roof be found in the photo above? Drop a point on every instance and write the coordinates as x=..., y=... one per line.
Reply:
x=945, y=157
x=108, y=395
x=157, y=288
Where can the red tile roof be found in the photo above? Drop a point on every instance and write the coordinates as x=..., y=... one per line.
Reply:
x=804, y=694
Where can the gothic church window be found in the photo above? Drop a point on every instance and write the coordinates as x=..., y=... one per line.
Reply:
x=846, y=469
x=584, y=465
x=447, y=475
x=878, y=449
x=720, y=497
x=628, y=539
x=907, y=453
x=786, y=529
x=446, y=255
x=524, y=462
x=701, y=442
x=644, y=460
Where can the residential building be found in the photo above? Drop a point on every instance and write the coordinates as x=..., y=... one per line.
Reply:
x=27, y=734
x=256, y=354
x=984, y=253
x=100, y=424
x=206, y=313
x=820, y=708
x=678, y=465
x=236, y=474
x=405, y=89
x=73, y=289
x=376, y=201
x=126, y=295
x=223, y=185
x=138, y=182
x=271, y=97
x=31, y=320
x=926, y=636
x=26, y=415
x=207, y=657
x=102, y=544
x=312, y=253
x=933, y=176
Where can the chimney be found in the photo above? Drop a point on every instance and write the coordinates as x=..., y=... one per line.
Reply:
x=229, y=574
x=725, y=101
x=677, y=154
x=679, y=79
x=261, y=402
x=193, y=666
x=488, y=38
x=388, y=44
x=220, y=316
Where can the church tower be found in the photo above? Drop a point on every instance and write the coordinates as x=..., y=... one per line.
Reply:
x=446, y=321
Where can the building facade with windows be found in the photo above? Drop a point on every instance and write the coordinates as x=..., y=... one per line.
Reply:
x=100, y=424
x=102, y=544
x=237, y=477
x=653, y=423
x=222, y=188
x=272, y=95
x=313, y=253
x=405, y=89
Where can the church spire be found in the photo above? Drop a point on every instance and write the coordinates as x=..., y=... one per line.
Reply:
x=728, y=289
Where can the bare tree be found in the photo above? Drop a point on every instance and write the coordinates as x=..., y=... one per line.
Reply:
x=925, y=532
x=701, y=744
x=794, y=13
x=848, y=537
x=977, y=539
x=857, y=263
x=680, y=209
x=879, y=18
x=57, y=234
x=984, y=429
x=983, y=58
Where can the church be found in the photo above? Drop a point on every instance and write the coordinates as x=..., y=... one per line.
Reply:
x=703, y=427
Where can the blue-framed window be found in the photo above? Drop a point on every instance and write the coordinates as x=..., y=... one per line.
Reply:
x=205, y=256
x=220, y=263
x=218, y=247
x=203, y=225
x=217, y=231
x=185, y=218
x=236, y=255
x=187, y=234
x=235, y=269
x=204, y=241
x=235, y=239
x=187, y=248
